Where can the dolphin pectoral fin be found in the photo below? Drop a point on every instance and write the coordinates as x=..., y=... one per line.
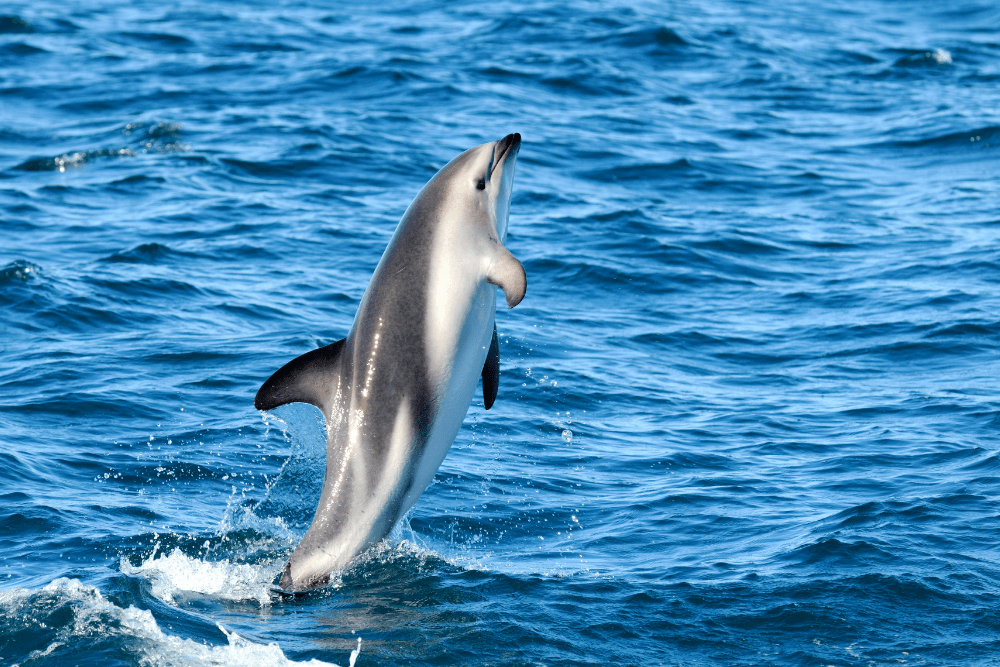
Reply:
x=508, y=274
x=305, y=379
x=491, y=372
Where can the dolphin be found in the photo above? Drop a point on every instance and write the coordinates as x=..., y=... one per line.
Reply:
x=395, y=391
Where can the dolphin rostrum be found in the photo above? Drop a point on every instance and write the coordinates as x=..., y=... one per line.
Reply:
x=395, y=391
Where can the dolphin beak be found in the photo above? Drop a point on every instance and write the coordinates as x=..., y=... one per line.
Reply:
x=506, y=147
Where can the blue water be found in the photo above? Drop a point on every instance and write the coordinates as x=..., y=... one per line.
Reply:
x=749, y=407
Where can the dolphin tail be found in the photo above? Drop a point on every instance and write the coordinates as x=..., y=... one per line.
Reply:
x=305, y=379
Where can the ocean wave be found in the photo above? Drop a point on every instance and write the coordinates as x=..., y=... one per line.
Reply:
x=68, y=618
x=17, y=25
x=149, y=253
x=976, y=138
x=156, y=41
x=158, y=137
x=918, y=58
x=14, y=25
x=149, y=288
x=21, y=271
x=72, y=160
x=830, y=552
x=643, y=37
x=22, y=49
x=643, y=172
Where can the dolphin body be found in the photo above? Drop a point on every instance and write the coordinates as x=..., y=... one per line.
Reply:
x=395, y=391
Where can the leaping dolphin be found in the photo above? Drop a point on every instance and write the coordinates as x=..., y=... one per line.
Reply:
x=395, y=391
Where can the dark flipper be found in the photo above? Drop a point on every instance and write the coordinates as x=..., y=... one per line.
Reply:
x=491, y=372
x=305, y=379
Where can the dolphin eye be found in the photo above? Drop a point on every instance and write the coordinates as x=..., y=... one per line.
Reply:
x=481, y=185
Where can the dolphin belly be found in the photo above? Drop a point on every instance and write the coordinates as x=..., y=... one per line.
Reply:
x=456, y=390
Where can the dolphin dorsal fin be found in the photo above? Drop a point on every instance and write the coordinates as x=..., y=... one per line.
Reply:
x=491, y=372
x=507, y=273
x=304, y=379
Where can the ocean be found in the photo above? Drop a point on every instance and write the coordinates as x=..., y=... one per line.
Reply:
x=748, y=409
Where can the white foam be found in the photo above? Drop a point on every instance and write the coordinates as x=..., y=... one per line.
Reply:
x=96, y=616
x=177, y=573
x=355, y=653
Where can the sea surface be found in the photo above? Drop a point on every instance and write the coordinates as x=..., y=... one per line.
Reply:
x=749, y=410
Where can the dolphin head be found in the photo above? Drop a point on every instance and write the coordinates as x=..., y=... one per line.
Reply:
x=480, y=181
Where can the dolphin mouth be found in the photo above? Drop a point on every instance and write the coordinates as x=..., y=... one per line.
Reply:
x=506, y=147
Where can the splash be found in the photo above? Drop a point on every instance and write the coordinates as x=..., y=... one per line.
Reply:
x=177, y=573
x=941, y=57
